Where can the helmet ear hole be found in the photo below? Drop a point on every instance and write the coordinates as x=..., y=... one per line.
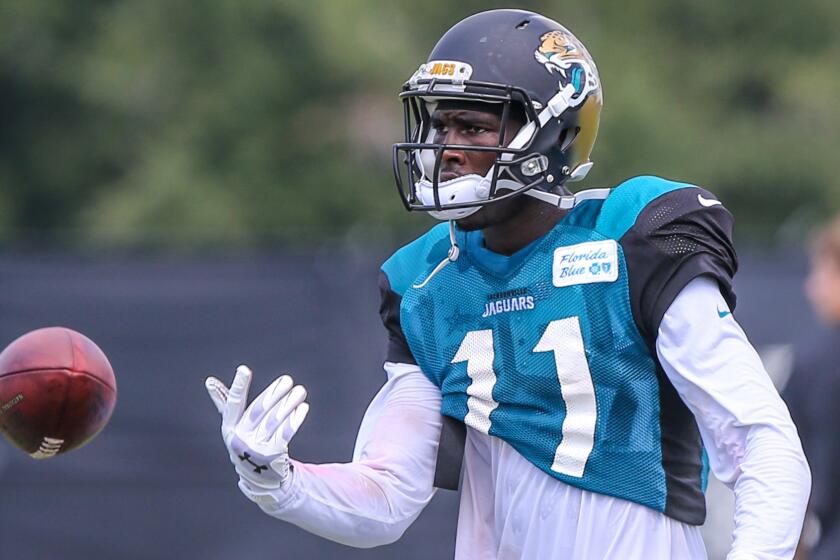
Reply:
x=567, y=138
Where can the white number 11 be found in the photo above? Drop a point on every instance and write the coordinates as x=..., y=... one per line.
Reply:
x=563, y=337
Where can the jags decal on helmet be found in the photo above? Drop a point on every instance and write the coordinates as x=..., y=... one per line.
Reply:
x=555, y=47
x=560, y=52
x=521, y=66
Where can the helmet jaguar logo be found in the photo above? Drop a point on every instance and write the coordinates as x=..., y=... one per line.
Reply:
x=556, y=44
x=560, y=52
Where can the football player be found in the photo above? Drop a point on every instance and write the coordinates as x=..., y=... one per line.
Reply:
x=812, y=394
x=583, y=342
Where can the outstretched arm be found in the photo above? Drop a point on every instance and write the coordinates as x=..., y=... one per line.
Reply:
x=751, y=441
x=372, y=500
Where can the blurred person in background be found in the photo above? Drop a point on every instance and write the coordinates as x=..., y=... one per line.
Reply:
x=583, y=344
x=813, y=397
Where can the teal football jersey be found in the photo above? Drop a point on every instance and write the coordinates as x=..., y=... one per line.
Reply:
x=551, y=349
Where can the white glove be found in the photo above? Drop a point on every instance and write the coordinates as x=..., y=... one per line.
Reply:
x=258, y=438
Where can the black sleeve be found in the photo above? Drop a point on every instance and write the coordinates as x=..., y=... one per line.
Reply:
x=453, y=432
x=389, y=309
x=679, y=236
x=795, y=395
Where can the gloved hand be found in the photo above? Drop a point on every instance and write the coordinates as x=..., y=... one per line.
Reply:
x=258, y=438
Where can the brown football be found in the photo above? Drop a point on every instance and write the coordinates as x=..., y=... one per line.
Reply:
x=57, y=391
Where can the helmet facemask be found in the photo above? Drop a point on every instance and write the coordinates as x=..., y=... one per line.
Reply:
x=520, y=166
x=418, y=161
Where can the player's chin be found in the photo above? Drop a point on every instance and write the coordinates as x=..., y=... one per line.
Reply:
x=474, y=221
x=468, y=225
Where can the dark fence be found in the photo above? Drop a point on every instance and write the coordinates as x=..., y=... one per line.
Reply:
x=157, y=482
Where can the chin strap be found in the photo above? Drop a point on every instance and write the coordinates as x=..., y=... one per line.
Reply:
x=567, y=201
x=562, y=201
x=454, y=253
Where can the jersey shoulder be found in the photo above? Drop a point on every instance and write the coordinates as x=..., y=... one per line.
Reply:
x=413, y=260
x=670, y=233
x=653, y=199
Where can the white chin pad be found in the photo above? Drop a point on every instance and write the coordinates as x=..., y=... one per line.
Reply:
x=455, y=214
x=460, y=190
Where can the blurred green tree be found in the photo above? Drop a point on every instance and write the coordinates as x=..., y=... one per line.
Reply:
x=239, y=123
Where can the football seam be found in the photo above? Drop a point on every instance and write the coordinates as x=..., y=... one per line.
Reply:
x=77, y=372
x=59, y=418
x=69, y=337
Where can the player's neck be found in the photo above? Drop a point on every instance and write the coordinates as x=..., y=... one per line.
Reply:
x=534, y=220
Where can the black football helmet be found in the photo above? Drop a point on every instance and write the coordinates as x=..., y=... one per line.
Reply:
x=523, y=64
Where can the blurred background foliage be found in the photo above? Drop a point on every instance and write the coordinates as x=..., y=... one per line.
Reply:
x=229, y=123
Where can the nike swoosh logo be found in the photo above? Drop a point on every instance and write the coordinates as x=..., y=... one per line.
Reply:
x=723, y=314
x=707, y=201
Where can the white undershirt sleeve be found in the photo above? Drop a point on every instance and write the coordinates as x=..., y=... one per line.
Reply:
x=752, y=444
x=372, y=500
